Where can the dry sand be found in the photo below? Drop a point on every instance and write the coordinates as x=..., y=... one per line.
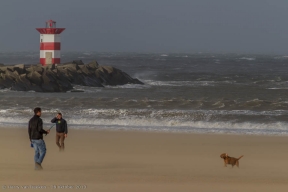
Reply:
x=141, y=161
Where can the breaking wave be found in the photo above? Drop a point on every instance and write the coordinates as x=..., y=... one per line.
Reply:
x=198, y=121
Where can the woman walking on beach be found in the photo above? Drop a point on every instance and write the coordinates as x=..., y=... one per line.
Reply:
x=61, y=130
x=36, y=131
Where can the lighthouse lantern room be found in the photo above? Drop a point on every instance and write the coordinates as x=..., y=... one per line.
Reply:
x=50, y=44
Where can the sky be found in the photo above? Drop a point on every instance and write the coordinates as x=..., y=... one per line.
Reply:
x=148, y=26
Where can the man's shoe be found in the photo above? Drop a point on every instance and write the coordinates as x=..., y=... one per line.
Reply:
x=38, y=166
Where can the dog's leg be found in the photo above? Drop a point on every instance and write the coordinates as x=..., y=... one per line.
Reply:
x=225, y=162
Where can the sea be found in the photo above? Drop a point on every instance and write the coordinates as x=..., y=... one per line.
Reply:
x=244, y=94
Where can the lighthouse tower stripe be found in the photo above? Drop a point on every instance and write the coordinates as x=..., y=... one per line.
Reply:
x=50, y=46
x=50, y=42
x=50, y=38
x=55, y=54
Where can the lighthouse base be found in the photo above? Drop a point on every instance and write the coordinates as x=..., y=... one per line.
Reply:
x=47, y=61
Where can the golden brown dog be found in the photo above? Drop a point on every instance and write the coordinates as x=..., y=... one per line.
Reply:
x=230, y=160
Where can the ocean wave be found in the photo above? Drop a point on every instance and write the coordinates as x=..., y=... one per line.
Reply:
x=143, y=117
x=179, y=83
x=129, y=86
x=204, y=121
x=94, y=98
x=149, y=83
x=276, y=128
x=247, y=58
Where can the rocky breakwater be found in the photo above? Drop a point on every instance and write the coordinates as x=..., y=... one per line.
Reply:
x=61, y=78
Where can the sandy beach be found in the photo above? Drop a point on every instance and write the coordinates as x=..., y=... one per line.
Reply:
x=141, y=161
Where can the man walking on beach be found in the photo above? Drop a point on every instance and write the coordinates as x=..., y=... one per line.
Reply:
x=61, y=130
x=36, y=131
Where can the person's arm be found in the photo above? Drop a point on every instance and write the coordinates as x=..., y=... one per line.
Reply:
x=65, y=128
x=40, y=127
x=54, y=120
x=29, y=131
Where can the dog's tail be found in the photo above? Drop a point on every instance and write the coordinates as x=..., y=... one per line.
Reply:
x=240, y=157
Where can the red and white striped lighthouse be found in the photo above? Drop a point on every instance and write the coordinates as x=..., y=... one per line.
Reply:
x=50, y=44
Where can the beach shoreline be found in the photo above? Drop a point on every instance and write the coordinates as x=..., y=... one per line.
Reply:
x=136, y=160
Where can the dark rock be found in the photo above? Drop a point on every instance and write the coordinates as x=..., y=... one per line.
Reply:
x=112, y=76
x=35, y=78
x=78, y=62
x=20, y=69
x=84, y=70
x=2, y=82
x=60, y=78
x=70, y=66
x=6, y=81
x=52, y=83
x=37, y=68
x=3, y=69
x=21, y=84
x=49, y=66
x=63, y=79
x=70, y=71
x=48, y=82
x=11, y=74
x=92, y=65
x=10, y=68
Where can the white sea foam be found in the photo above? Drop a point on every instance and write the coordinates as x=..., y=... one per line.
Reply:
x=248, y=58
x=155, y=120
x=200, y=121
x=277, y=88
x=5, y=90
x=128, y=86
x=184, y=83
x=166, y=126
x=149, y=83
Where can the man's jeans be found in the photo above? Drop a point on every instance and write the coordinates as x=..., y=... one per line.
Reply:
x=40, y=150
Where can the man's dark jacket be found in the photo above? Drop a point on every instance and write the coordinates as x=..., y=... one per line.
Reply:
x=35, y=128
x=61, y=125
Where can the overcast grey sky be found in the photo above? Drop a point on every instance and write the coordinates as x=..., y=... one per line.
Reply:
x=218, y=26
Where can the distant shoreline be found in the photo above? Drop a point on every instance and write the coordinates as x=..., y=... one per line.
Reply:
x=99, y=129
